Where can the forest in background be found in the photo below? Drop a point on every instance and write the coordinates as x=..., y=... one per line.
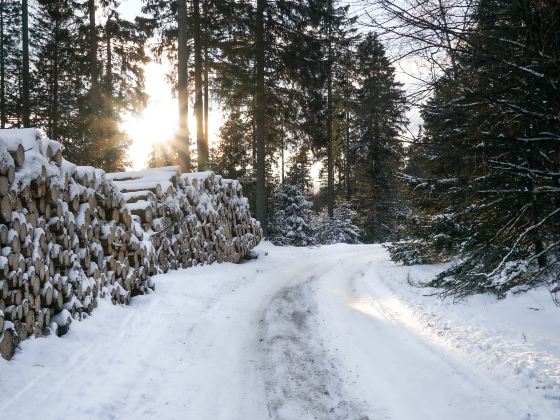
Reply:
x=302, y=82
x=72, y=68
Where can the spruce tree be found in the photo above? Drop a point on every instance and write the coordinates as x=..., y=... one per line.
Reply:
x=379, y=116
x=85, y=77
x=336, y=229
x=10, y=65
x=56, y=89
x=490, y=159
x=290, y=221
x=233, y=154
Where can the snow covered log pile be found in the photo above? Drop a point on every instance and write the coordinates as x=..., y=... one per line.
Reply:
x=69, y=234
x=191, y=218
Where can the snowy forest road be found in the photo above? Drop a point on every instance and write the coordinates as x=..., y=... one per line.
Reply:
x=297, y=334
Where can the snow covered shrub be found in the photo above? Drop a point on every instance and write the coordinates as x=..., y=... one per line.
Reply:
x=409, y=252
x=427, y=239
x=339, y=228
x=290, y=221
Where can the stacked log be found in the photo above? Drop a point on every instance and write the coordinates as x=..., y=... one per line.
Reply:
x=70, y=234
x=191, y=218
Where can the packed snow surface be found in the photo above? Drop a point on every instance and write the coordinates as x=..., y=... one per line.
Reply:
x=334, y=332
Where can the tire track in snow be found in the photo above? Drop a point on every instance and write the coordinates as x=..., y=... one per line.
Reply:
x=301, y=381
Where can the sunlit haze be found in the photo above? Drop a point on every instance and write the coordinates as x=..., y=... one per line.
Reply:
x=158, y=121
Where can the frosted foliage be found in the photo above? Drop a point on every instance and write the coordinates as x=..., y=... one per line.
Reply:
x=338, y=229
x=290, y=222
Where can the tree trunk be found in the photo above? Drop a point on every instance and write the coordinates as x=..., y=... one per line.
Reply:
x=330, y=169
x=450, y=49
x=376, y=190
x=108, y=91
x=26, y=112
x=2, y=70
x=183, y=147
x=54, y=108
x=55, y=76
x=94, y=76
x=109, y=81
x=206, y=65
x=347, y=163
x=260, y=104
x=282, y=156
x=201, y=146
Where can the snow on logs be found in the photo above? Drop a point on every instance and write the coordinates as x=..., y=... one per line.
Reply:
x=190, y=218
x=69, y=234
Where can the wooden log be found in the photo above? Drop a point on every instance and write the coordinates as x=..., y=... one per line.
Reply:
x=46, y=293
x=4, y=185
x=8, y=344
x=63, y=321
x=53, y=194
x=5, y=209
x=18, y=154
x=145, y=214
x=4, y=289
x=54, y=153
x=13, y=279
x=13, y=313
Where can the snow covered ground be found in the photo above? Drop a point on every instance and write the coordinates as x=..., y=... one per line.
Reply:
x=334, y=332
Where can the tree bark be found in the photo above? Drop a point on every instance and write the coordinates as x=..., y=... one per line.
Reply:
x=109, y=70
x=54, y=108
x=201, y=146
x=2, y=70
x=260, y=104
x=183, y=146
x=108, y=91
x=330, y=168
x=347, y=163
x=26, y=112
x=282, y=155
x=94, y=76
x=206, y=65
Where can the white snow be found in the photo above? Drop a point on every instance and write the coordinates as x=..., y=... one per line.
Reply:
x=145, y=179
x=27, y=137
x=334, y=332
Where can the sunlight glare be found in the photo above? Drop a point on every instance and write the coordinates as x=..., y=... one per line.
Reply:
x=157, y=123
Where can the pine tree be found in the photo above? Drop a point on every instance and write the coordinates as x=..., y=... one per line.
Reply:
x=288, y=105
x=11, y=65
x=290, y=222
x=233, y=155
x=56, y=90
x=325, y=44
x=85, y=77
x=299, y=166
x=377, y=149
x=491, y=150
x=338, y=228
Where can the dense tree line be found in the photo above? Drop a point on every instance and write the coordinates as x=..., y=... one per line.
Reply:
x=72, y=73
x=302, y=84
x=482, y=178
x=298, y=85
